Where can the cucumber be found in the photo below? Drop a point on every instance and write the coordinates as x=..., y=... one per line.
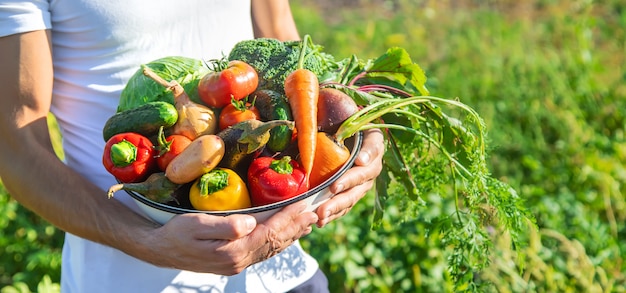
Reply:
x=273, y=106
x=145, y=119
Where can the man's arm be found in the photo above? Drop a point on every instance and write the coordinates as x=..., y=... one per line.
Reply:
x=273, y=19
x=29, y=168
x=37, y=179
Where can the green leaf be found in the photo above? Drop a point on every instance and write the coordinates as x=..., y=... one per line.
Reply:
x=403, y=120
x=382, y=187
x=141, y=89
x=47, y=286
x=361, y=98
x=395, y=68
x=393, y=160
x=455, y=137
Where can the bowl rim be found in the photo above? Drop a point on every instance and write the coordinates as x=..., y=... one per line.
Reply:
x=358, y=141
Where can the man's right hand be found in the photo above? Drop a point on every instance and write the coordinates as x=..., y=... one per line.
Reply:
x=225, y=245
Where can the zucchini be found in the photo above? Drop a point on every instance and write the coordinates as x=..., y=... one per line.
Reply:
x=145, y=119
x=273, y=106
x=236, y=155
x=244, y=141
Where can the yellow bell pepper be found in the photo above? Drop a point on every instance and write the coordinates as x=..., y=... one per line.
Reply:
x=220, y=189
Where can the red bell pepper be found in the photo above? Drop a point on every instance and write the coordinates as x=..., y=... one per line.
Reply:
x=271, y=180
x=129, y=156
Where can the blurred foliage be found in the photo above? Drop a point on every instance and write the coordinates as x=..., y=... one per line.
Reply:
x=30, y=247
x=547, y=76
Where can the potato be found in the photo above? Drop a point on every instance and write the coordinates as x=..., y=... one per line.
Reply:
x=201, y=156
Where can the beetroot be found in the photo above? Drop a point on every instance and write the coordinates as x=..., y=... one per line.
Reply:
x=333, y=108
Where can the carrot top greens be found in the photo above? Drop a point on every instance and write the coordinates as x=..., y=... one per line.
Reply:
x=433, y=145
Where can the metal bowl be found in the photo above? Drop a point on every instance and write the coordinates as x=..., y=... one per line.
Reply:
x=162, y=212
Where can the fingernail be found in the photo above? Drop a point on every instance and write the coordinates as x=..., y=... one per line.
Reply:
x=250, y=223
x=364, y=157
x=322, y=223
x=339, y=188
x=301, y=206
x=314, y=218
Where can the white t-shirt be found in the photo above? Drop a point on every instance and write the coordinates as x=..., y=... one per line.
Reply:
x=97, y=46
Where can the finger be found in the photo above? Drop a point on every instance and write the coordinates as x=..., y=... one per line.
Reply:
x=292, y=221
x=367, y=166
x=372, y=147
x=281, y=230
x=208, y=227
x=340, y=204
x=356, y=175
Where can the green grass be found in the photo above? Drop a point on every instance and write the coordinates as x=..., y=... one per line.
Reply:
x=549, y=83
x=551, y=90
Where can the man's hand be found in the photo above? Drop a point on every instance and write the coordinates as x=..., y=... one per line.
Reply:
x=226, y=245
x=357, y=181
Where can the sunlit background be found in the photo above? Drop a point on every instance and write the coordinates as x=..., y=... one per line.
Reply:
x=547, y=76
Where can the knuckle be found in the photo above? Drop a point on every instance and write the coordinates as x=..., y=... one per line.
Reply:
x=237, y=270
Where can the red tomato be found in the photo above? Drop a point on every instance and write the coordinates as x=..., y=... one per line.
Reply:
x=170, y=148
x=232, y=80
x=236, y=112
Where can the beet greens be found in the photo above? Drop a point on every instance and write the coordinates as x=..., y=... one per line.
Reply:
x=433, y=145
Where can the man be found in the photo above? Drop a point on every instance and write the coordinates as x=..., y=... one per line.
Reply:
x=72, y=58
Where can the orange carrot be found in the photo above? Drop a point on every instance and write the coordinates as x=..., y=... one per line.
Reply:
x=329, y=158
x=302, y=90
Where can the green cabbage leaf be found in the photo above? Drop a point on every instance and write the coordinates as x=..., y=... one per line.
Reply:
x=140, y=89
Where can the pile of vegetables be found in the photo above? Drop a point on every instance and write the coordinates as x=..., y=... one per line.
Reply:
x=220, y=136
